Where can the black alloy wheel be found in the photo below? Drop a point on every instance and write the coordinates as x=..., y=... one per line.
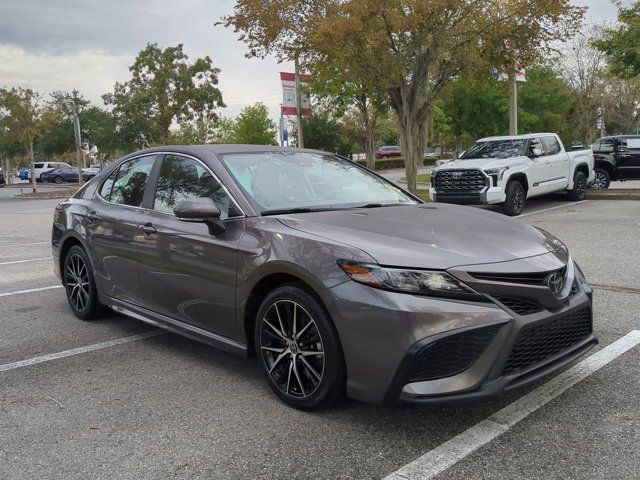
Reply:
x=80, y=286
x=58, y=179
x=514, y=203
x=602, y=179
x=299, y=349
x=579, y=191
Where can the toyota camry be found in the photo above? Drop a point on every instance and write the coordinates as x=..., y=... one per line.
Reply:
x=339, y=282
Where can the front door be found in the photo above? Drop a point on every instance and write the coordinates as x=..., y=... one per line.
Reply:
x=558, y=164
x=539, y=171
x=629, y=158
x=186, y=273
x=113, y=229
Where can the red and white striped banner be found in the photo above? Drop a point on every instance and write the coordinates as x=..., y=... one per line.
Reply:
x=289, y=106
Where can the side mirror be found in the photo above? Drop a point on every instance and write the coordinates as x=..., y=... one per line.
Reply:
x=200, y=210
x=537, y=152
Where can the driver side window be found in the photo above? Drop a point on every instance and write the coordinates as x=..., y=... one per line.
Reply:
x=536, y=143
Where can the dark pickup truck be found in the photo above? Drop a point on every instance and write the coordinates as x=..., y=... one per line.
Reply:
x=616, y=158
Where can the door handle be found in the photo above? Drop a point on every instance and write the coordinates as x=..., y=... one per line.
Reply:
x=148, y=228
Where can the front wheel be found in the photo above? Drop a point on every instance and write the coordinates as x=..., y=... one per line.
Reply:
x=602, y=179
x=58, y=180
x=579, y=191
x=514, y=204
x=299, y=349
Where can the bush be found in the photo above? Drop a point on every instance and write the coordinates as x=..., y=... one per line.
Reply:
x=389, y=163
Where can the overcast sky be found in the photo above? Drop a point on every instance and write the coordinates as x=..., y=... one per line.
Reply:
x=64, y=44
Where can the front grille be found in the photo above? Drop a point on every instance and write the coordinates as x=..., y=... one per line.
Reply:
x=451, y=355
x=460, y=181
x=534, y=278
x=540, y=342
x=521, y=307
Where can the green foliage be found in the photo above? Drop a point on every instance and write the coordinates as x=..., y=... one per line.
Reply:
x=622, y=43
x=253, y=126
x=164, y=88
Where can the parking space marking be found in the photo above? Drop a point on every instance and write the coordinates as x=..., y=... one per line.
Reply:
x=553, y=208
x=24, y=244
x=452, y=451
x=26, y=261
x=30, y=290
x=78, y=351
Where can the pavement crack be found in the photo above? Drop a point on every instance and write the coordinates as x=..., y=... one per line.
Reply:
x=615, y=288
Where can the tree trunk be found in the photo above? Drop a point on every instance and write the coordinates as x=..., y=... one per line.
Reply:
x=412, y=127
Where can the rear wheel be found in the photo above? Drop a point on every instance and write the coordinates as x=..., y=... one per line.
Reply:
x=602, y=179
x=579, y=191
x=514, y=204
x=58, y=180
x=299, y=349
x=80, y=286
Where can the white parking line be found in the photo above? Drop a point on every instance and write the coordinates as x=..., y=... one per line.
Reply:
x=78, y=351
x=31, y=290
x=452, y=451
x=25, y=244
x=553, y=208
x=26, y=261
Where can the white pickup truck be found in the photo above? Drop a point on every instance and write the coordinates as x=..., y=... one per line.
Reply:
x=510, y=169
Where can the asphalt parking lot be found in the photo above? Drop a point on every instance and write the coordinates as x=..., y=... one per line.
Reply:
x=162, y=406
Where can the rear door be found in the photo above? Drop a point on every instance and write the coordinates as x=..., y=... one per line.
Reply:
x=113, y=228
x=559, y=168
x=186, y=273
x=629, y=157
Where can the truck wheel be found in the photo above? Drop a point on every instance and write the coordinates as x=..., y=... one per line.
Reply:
x=579, y=191
x=514, y=204
x=602, y=179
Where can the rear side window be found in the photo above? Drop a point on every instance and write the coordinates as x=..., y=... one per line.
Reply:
x=38, y=165
x=183, y=178
x=126, y=185
x=552, y=145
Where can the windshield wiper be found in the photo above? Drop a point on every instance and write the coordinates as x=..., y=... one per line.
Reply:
x=282, y=211
x=378, y=205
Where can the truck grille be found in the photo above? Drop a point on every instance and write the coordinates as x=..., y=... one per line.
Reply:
x=540, y=342
x=451, y=355
x=462, y=181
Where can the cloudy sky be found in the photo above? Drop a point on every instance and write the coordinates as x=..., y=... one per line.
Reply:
x=64, y=44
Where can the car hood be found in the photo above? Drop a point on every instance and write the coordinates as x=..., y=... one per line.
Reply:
x=484, y=163
x=438, y=236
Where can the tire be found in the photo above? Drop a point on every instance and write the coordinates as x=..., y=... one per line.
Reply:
x=579, y=191
x=83, y=300
x=307, y=382
x=516, y=197
x=58, y=180
x=602, y=180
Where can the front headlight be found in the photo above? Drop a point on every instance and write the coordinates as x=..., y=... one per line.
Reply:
x=423, y=282
x=497, y=173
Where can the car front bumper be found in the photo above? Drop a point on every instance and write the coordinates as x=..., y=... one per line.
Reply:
x=384, y=333
x=488, y=196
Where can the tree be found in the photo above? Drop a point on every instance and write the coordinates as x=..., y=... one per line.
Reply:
x=410, y=50
x=197, y=132
x=322, y=131
x=253, y=126
x=164, y=88
x=21, y=118
x=582, y=67
x=621, y=44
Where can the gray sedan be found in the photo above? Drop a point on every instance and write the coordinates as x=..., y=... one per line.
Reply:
x=340, y=282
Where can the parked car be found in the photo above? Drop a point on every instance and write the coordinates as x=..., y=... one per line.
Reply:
x=388, y=152
x=95, y=169
x=508, y=170
x=25, y=174
x=64, y=174
x=3, y=180
x=336, y=279
x=41, y=167
x=616, y=158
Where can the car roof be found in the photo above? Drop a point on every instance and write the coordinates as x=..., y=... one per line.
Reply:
x=525, y=136
x=223, y=149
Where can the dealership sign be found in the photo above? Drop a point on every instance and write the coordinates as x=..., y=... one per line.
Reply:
x=289, y=106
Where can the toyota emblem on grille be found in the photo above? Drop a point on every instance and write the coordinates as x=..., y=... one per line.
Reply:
x=456, y=174
x=555, y=282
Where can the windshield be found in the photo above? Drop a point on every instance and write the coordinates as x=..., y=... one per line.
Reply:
x=497, y=149
x=294, y=180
